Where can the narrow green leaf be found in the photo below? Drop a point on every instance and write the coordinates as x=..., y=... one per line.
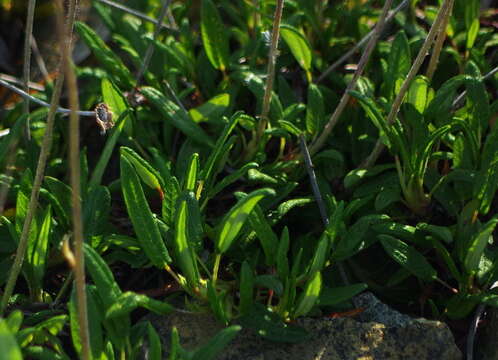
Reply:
x=94, y=323
x=110, y=61
x=183, y=249
x=310, y=296
x=246, y=288
x=265, y=234
x=154, y=342
x=141, y=217
x=63, y=195
x=216, y=344
x=299, y=46
x=8, y=142
x=177, y=116
x=147, y=173
x=269, y=325
x=408, y=257
x=321, y=254
x=398, y=64
x=271, y=282
x=211, y=110
x=282, y=263
x=337, y=295
x=96, y=210
x=129, y=301
x=315, y=110
x=478, y=244
x=191, y=179
x=214, y=36
x=233, y=221
x=8, y=343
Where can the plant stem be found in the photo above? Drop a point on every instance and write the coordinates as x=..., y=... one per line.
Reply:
x=270, y=74
x=320, y=141
x=43, y=103
x=272, y=58
x=75, y=180
x=379, y=147
x=40, y=170
x=438, y=45
x=216, y=267
x=27, y=59
x=150, y=48
x=362, y=42
x=138, y=14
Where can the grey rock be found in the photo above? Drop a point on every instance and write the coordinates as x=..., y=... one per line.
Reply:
x=379, y=333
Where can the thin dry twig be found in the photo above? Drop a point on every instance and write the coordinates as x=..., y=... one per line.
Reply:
x=320, y=140
x=27, y=59
x=150, y=48
x=40, y=170
x=460, y=97
x=75, y=175
x=138, y=14
x=379, y=146
x=362, y=42
x=438, y=45
x=41, y=102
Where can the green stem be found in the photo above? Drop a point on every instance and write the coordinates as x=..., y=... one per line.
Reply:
x=216, y=267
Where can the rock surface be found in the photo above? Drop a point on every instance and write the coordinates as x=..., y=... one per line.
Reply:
x=378, y=333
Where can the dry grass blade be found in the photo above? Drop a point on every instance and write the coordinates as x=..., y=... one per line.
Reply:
x=75, y=179
x=438, y=45
x=320, y=140
x=27, y=58
x=40, y=171
x=436, y=26
x=362, y=42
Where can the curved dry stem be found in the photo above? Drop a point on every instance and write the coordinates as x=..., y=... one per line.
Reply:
x=41, y=102
x=150, y=48
x=40, y=170
x=318, y=142
x=438, y=45
x=75, y=175
x=379, y=146
x=27, y=58
x=362, y=42
x=270, y=73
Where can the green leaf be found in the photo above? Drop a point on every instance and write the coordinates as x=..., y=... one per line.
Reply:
x=246, y=288
x=177, y=116
x=110, y=61
x=191, y=179
x=271, y=282
x=115, y=100
x=418, y=93
x=8, y=343
x=8, y=143
x=214, y=36
x=321, y=254
x=141, y=217
x=154, y=341
x=233, y=221
x=408, y=257
x=216, y=302
x=398, y=64
x=216, y=344
x=299, y=46
x=265, y=234
x=147, y=173
x=94, y=323
x=282, y=263
x=310, y=296
x=211, y=110
x=230, y=179
x=129, y=301
x=183, y=237
x=96, y=210
x=478, y=244
x=269, y=325
x=337, y=295
x=315, y=110
x=63, y=196
x=472, y=33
